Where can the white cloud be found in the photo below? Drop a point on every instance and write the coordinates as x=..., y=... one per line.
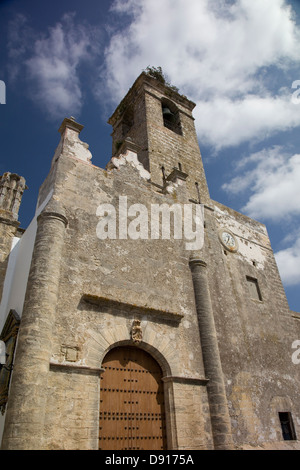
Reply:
x=224, y=122
x=288, y=261
x=218, y=53
x=272, y=184
x=51, y=62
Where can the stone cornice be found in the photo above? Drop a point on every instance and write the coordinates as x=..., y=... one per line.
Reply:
x=116, y=305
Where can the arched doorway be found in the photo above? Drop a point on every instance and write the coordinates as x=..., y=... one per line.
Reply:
x=132, y=414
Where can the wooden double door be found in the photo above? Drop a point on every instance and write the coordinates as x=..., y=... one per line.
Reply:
x=132, y=414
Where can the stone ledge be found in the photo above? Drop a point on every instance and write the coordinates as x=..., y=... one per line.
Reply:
x=114, y=305
x=186, y=380
x=295, y=315
x=9, y=221
x=269, y=446
x=76, y=368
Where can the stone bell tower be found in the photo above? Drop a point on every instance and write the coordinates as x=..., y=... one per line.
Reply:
x=160, y=122
x=11, y=190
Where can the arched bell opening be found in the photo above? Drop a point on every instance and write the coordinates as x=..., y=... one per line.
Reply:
x=171, y=116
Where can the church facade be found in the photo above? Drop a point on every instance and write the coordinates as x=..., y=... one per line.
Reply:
x=136, y=312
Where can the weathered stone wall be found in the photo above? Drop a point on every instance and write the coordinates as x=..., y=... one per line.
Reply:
x=135, y=102
x=168, y=149
x=255, y=336
x=149, y=278
x=145, y=279
x=72, y=418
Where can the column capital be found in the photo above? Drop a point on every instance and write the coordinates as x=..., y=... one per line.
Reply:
x=54, y=210
x=196, y=261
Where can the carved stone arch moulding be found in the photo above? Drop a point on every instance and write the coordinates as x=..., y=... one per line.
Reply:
x=99, y=344
x=136, y=325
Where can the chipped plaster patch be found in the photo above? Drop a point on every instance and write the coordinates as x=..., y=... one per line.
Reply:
x=75, y=147
x=252, y=253
x=249, y=239
x=130, y=158
x=71, y=145
x=171, y=186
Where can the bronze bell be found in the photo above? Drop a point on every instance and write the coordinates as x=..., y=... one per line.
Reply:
x=166, y=111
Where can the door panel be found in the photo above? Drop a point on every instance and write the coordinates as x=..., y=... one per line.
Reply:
x=132, y=414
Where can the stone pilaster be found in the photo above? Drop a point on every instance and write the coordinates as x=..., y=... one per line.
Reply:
x=220, y=419
x=24, y=424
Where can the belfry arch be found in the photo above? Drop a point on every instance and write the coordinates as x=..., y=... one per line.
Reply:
x=132, y=404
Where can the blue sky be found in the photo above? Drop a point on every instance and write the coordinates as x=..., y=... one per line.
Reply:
x=239, y=60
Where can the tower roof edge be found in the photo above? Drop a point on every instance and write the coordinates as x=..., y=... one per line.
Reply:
x=146, y=79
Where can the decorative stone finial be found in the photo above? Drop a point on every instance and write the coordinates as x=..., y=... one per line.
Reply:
x=70, y=123
x=70, y=144
x=128, y=154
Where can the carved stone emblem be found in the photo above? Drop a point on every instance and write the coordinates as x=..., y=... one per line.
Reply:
x=136, y=331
